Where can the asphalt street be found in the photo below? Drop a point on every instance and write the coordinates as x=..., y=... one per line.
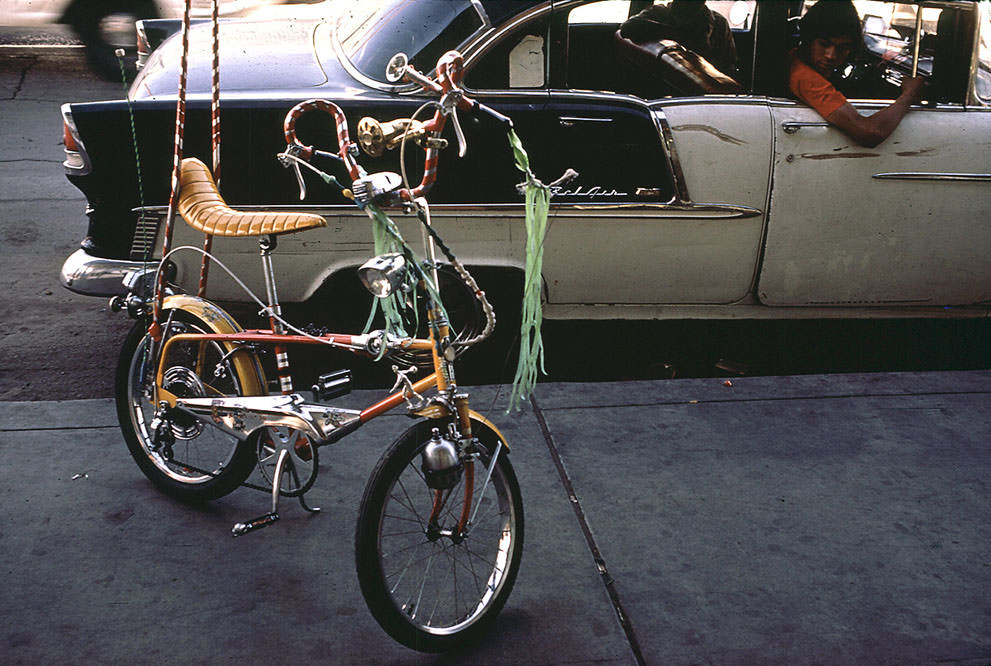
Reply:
x=809, y=520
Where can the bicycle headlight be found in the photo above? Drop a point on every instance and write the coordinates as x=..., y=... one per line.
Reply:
x=384, y=274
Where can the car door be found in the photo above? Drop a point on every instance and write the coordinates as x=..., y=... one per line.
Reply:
x=904, y=223
x=668, y=204
x=668, y=208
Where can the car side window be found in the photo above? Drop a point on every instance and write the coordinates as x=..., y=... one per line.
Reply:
x=586, y=54
x=983, y=82
x=602, y=54
x=518, y=61
x=889, y=31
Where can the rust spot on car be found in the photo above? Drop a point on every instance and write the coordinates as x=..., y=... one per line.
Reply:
x=841, y=156
x=710, y=130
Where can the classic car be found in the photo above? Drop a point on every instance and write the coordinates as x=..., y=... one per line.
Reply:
x=692, y=201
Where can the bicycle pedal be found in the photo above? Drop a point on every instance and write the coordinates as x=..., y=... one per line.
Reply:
x=241, y=529
x=332, y=385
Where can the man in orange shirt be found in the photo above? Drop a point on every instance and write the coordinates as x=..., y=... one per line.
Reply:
x=830, y=31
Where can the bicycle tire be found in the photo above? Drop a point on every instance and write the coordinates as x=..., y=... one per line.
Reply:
x=481, y=569
x=205, y=463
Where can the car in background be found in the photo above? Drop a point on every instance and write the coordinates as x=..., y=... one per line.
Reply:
x=106, y=25
x=691, y=202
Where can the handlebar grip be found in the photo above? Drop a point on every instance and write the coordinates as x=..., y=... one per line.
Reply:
x=343, y=139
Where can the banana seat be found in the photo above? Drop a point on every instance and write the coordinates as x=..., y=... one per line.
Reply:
x=201, y=205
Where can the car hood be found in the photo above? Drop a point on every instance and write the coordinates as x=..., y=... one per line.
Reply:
x=254, y=56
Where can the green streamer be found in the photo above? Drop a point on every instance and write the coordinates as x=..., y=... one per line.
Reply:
x=531, y=360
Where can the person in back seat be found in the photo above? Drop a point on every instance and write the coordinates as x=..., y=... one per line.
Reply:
x=691, y=24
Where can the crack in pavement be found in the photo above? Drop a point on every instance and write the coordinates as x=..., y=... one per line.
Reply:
x=24, y=74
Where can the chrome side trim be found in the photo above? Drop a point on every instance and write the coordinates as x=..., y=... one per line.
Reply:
x=876, y=105
x=684, y=210
x=669, y=209
x=477, y=4
x=935, y=176
x=568, y=121
x=749, y=100
x=671, y=156
x=96, y=276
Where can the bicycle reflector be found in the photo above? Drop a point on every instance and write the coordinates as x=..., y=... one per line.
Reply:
x=384, y=274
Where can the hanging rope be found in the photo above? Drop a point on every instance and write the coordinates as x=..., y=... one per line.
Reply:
x=180, y=126
x=214, y=137
x=215, y=97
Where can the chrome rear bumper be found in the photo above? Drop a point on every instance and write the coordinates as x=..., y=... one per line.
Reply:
x=95, y=276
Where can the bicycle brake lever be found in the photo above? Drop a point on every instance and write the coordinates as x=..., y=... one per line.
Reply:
x=449, y=107
x=458, y=132
x=299, y=179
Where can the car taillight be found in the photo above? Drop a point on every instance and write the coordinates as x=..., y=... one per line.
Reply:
x=76, y=159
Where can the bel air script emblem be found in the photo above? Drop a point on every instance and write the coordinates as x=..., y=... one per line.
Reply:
x=594, y=192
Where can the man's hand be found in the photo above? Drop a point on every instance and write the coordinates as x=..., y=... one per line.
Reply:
x=912, y=88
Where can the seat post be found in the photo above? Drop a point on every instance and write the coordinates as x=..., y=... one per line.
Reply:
x=267, y=245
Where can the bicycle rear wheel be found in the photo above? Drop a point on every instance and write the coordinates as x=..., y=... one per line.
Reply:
x=203, y=462
x=429, y=588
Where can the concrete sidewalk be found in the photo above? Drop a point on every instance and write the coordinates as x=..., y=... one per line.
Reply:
x=837, y=519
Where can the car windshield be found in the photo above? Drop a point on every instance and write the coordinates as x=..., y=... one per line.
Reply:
x=372, y=31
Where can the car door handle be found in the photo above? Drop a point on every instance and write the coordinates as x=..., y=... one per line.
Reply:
x=791, y=127
x=571, y=121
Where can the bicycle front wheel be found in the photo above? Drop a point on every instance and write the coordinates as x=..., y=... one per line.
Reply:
x=428, y=586
x=200, y=462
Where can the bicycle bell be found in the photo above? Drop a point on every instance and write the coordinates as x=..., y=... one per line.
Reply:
x=441, y=464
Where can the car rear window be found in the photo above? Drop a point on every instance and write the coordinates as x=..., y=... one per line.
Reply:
x=372, y=31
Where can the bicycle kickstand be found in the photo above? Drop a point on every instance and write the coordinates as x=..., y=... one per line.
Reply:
x=254, y=524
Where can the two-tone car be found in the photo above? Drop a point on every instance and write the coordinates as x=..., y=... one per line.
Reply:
x=693, y=200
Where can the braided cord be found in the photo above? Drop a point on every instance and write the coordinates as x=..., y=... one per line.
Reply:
x=180, y=128
x=214, y=134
